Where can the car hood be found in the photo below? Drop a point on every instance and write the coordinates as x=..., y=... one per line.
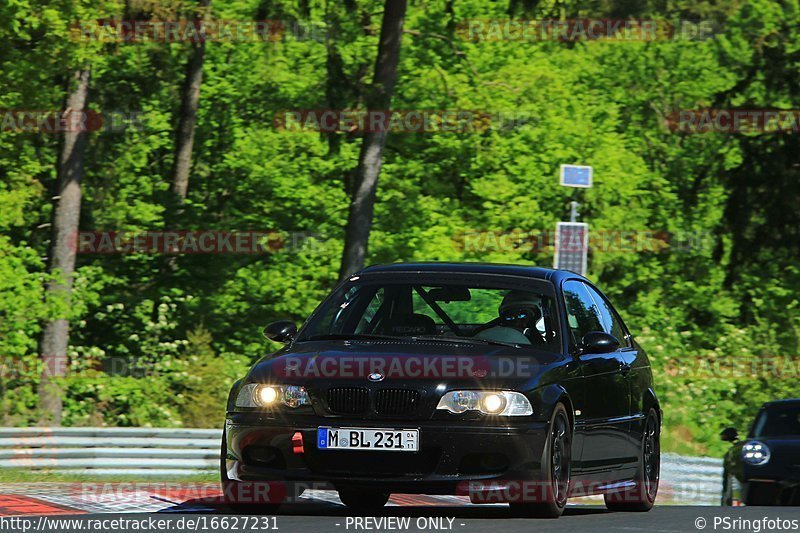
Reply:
x=788, y=445
x=400, y=362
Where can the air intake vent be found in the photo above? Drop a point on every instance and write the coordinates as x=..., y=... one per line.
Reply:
x=348, y=400
x=396, y=402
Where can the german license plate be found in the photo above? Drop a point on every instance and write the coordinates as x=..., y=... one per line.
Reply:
x=379, y=440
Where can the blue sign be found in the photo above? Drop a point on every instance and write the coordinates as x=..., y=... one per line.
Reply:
x=576, y=176
x=322, y=437
x=572, y=246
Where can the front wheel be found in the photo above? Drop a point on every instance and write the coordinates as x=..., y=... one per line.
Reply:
x=642, y=496
x=556, y=467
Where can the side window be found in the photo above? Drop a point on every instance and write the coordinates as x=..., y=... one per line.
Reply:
x=582, y=313
x=611, y=322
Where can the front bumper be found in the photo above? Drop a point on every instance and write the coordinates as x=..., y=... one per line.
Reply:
x=450, y=455
x=766, y=491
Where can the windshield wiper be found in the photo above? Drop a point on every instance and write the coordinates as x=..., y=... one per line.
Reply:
x=466, y=340
x=369, y=336
x=352, y=336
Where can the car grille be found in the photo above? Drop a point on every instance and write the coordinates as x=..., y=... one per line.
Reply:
x=383, y=402
x=396, y=402
x=348, y=400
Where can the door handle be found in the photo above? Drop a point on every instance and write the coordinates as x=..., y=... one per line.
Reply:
x=624, y=368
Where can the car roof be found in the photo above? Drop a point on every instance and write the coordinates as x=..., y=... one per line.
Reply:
x=550, y=274
x=787, y=401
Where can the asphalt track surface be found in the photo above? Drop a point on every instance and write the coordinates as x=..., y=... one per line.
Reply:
x=328, y=517
x=319, y=510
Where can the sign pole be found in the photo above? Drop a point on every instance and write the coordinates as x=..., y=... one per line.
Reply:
x=572, y=238
x=573, y=211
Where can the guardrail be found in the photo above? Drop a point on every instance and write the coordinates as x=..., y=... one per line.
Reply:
x=119, y=451
x=171, y=452
x=690, y=480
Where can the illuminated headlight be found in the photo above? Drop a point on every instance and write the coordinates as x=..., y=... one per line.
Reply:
x=755, y=453
x=505, y=403
x=266, y=395
x=260, y=395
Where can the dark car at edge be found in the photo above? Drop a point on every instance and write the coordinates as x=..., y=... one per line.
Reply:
x=503, y=383
x=764, y=467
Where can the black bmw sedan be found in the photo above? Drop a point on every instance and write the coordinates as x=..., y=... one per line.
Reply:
x=502, y=383
x=764, y=468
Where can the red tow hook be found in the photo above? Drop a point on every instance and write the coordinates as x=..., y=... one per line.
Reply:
x=297, y=443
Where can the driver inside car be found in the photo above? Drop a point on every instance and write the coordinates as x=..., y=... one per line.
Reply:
x=519, y=314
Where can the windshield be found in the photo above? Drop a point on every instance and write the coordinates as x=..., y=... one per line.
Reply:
x=516, y=314
x=777, y=421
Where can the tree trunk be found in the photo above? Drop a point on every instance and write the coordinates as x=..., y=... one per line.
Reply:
x=340, y=90
x=359, y=221
x=187, y=119
x=65, y=220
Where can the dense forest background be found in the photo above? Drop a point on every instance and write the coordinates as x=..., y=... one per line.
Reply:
x=157, y=340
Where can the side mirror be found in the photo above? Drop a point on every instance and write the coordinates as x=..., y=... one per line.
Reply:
x=729, y=435
x=281, y=331
x=599, y=342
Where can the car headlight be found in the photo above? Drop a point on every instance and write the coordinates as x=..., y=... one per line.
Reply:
x=755, y=453
x=261, y=395
x=505, y=403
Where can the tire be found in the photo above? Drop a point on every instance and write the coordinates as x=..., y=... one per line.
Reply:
x=642, y=496
x=556, y=470
x=363, y=500
x=229, y=487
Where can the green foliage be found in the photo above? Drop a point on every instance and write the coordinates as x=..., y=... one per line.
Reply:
x=15, y=475
x=95, y=399
x=205, y=382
